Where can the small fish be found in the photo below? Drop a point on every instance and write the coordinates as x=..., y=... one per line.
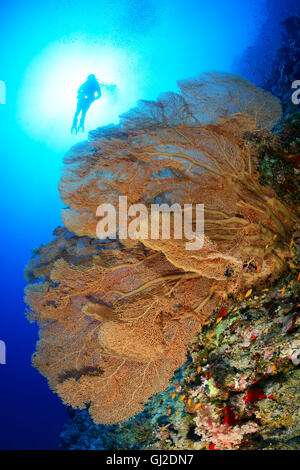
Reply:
x=169, y=411
x=211, y=335
x=176, y=413
x=189, y=402
x=235, y=309
x=283, y=291
x=257, y=268
x=266, y=330
x=197, y=406
x=173, y=396
x=292, y=243
x=182, y=397
x=298, y=278
x=266, y=290
x=275, y=236
x=248, y=293
x=198, y=369
x=218, y=320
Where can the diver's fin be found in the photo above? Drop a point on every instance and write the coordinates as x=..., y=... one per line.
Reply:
x=74, y=128
x=80, y=128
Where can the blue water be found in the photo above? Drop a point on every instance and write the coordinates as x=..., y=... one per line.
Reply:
x=46, y=50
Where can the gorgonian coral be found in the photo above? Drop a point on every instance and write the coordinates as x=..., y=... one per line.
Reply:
x=116, y=317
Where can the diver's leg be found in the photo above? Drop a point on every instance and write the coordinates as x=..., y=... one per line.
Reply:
x=75, y=119
x=84, y=110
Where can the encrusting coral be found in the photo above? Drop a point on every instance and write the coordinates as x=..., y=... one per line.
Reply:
x=116, y=316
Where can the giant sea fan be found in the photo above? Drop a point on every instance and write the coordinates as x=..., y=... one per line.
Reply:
x=115, y=320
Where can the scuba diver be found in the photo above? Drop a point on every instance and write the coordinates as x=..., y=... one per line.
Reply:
x=89, y=92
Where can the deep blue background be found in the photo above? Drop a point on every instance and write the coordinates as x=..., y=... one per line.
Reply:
x=174, y=39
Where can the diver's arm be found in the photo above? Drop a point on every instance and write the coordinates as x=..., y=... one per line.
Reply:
x=80, y=91
x=98, y=93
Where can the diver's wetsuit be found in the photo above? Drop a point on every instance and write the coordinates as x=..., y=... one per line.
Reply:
x=85, y=96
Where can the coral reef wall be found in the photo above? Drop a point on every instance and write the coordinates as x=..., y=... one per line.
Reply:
x=286, y=66
x=255, y=63
x=116, y=316
x=239, y=388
